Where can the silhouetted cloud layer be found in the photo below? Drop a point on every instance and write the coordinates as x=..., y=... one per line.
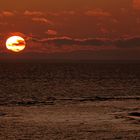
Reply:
x=132, y=42
x=97, y=13
x=128, y=42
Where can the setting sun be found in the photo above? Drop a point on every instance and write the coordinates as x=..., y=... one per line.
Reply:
x=15, y=43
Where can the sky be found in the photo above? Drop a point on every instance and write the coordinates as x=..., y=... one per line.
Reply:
x=74, y=29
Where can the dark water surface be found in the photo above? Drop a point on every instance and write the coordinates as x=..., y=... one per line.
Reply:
x=40, y=81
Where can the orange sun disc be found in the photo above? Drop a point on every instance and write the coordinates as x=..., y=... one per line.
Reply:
x=15, y=43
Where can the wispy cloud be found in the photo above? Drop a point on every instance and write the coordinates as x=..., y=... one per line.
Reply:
x=42, y=20
x=97, y=13
x=7, y=13
x=33, y=13
x=51, y=32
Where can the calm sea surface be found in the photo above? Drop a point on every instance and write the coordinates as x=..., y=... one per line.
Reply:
x=39, y=81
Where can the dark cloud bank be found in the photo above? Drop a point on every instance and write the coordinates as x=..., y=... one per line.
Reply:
x=108, y=49
x=131, y=42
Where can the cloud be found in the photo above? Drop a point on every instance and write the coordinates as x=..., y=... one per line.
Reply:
x=7, y=13
x=37, y=16
x=52, y=14
x=133, y=42
x=103, y=30
x=51, y=32
x=62, y=13
x=33, y=13
x=18, y=43
x=42, y=20
x=97, y=13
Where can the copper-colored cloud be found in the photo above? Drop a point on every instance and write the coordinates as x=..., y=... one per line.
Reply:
x=97, y=13
x=33, y=13
x=51, y=32
x=66, y=41
x=7, y=13
x=42, y=20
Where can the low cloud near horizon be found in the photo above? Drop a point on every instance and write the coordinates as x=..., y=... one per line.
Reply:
x=124, y=43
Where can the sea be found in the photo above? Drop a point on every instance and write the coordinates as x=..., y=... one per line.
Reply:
x=39, y=80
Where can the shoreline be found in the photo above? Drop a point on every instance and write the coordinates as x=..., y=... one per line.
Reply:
x=113, y=119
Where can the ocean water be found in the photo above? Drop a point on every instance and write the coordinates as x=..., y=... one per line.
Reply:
x=41, y=81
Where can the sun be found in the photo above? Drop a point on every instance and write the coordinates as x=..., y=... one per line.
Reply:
x=15, y=43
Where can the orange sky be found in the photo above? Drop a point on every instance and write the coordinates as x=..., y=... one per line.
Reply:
x=110, y=28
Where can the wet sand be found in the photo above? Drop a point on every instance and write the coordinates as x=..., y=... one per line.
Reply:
x=71, y=119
